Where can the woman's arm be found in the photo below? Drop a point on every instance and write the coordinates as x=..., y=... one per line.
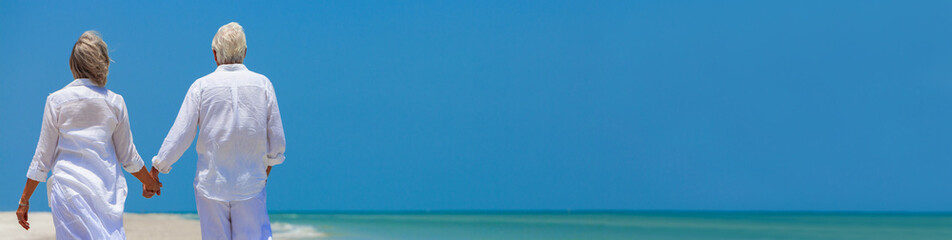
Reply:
x=42, y=161
x=25, y=202
x=126, y=152
x=46, y=147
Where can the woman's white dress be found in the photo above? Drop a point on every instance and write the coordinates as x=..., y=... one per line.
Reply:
x=85, y=141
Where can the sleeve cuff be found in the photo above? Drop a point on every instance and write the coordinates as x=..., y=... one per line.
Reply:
x=162, y=169
x=135, y=165
x=36, y=175
x=275, y=160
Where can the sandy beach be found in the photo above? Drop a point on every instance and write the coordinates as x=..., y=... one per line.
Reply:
x=138, y=226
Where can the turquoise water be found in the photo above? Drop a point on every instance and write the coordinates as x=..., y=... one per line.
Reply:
x=678, y=225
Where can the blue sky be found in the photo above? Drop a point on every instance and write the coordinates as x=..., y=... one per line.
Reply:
x=500, y=105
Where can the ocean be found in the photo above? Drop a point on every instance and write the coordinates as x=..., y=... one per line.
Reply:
x=612, y=225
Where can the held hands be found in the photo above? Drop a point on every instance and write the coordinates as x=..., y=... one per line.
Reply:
x=155, y=175
x=155, y=188
x=150, y=184
x=149, y=190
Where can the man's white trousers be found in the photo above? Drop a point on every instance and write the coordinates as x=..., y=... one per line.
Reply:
x=234, y=220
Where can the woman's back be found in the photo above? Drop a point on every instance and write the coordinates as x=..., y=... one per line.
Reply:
x=84, y=140
x=86, y=116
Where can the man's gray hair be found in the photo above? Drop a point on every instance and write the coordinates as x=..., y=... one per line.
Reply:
x=229, y=44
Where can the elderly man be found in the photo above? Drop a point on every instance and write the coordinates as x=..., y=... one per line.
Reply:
x=240, y=137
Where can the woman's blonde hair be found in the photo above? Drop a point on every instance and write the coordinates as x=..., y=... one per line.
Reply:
x=90, y=58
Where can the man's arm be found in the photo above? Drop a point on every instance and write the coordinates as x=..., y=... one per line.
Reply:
x=182, y=133
x=276, y=141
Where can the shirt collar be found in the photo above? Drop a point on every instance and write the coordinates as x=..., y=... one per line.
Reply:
x=231, y=67
x=82, y=82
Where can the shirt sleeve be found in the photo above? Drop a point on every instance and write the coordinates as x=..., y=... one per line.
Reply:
x=122, y=139
x=46, y=147
x=276, y=142
x=182, y=133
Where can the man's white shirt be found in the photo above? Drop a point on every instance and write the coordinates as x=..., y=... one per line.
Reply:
x=239, y=132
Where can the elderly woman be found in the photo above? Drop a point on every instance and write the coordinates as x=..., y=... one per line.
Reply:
x=84, y=139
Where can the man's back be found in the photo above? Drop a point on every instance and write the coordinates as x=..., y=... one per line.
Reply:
x=239, y=133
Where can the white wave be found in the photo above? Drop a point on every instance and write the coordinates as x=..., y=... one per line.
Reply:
x=293, y=231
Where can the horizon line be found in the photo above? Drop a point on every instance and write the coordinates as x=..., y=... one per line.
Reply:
x=582, y=211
